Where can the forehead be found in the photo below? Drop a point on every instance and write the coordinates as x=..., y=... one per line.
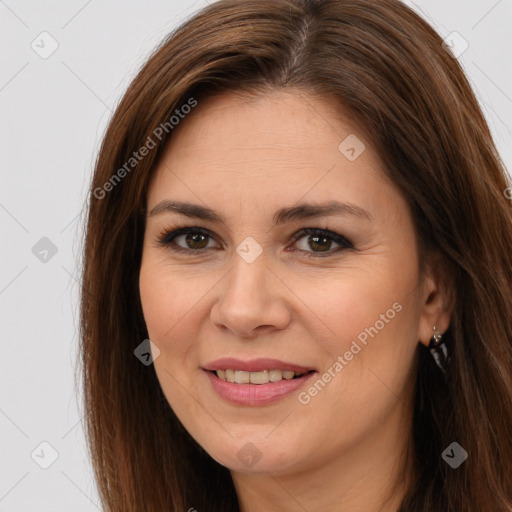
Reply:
x=268, y=124
x=274, y=148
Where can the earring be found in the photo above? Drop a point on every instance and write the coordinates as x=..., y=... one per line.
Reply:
x=438, y=350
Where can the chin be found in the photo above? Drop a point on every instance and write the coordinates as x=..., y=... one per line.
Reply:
x=252, y=456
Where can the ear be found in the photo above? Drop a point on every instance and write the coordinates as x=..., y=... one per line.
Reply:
x=437, y=298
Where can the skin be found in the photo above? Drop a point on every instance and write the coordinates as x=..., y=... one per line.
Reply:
x=246, y=157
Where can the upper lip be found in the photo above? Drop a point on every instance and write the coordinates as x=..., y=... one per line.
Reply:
x=254, y=365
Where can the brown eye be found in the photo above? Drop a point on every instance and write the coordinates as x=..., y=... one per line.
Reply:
x=319, y=243
x=196, y=240
x=187, y=239
x=315, y=241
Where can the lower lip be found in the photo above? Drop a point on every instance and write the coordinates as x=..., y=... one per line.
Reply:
x=256, y=394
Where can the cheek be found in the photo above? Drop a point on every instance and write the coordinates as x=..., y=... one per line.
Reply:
x=166, y=303
x=371, y=316
x=351, y=303
x=169, y=306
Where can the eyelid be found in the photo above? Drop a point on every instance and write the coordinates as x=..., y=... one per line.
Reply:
x=166, y=237
x=342, y=241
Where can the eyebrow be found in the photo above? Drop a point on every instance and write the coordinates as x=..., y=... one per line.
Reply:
x=286, y=214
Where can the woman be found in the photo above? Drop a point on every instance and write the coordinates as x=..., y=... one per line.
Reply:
x=300, y=204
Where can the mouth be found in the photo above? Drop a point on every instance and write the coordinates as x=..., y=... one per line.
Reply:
x=257, y=382
x=258, y=378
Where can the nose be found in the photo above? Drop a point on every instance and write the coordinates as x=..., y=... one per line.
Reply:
x=252, y=300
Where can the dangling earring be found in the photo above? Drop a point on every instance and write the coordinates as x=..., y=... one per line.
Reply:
x=438, y=350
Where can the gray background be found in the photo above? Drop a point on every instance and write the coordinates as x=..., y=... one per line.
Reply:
x=53, y=113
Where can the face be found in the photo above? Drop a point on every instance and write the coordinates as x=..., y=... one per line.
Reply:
x=262, y=280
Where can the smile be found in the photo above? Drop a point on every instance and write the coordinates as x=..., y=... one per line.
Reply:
x=256, y=382
x=262, y=377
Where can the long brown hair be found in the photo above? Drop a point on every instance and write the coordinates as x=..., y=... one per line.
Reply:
x=385, y=66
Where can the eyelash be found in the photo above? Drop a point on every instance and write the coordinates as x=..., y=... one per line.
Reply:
x=166, y=237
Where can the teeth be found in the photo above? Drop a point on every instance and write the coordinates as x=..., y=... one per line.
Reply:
x=242, y=377
x=287, y=374
x=259, y=377
x=263, y=377
x=275, y=375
